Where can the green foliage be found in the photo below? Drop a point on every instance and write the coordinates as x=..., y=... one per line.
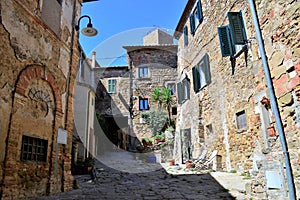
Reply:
x=159, y=136
x=156, y=120
x=156, y=96
x=233, y=171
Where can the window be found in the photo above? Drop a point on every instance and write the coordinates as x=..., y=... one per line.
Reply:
x=241, y=120
x=143, y=72
x=233, y=35
x=183, y=90
x=196, y=17
x=201, y=74
x=34, y=149
x=112, y=85
x=172, y=87
x=174, y=110
x=144, y=104
x=51, y=14
x=185, y=35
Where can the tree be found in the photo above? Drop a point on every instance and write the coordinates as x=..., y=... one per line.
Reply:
x=156, y=96
x=156, y=120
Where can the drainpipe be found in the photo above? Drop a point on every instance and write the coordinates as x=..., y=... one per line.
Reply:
x=274, y=105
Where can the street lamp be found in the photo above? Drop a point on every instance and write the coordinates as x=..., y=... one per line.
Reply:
x=89, y=30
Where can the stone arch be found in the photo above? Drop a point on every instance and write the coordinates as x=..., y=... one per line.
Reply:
x=39, y=72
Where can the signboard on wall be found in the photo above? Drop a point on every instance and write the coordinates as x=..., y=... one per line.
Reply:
x=62, y=136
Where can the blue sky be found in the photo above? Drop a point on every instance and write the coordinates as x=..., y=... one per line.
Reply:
x=125, y=22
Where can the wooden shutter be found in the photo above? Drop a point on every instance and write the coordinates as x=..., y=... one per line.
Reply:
x=185, y=35
x=237, y=27
x=200, y=14
x=226, y=44
x=141, y=104
x=179, y=92
x=188, y=84
x=207, y=69
x=192, y=24
x=196, y=79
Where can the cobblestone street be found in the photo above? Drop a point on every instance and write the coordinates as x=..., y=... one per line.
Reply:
x=158, y=184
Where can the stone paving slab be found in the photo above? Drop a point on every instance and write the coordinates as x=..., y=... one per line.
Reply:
x=158, y=184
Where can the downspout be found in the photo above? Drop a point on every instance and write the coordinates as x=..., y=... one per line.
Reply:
x=273, y=101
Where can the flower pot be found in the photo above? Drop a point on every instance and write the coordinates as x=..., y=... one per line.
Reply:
x=271, y=131
x=171, y=162
x=189, y=164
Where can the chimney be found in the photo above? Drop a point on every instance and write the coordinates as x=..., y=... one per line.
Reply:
x=93, y=59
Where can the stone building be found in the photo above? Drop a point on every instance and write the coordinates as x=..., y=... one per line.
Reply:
x=223, y=103
x=151, y=65
x=112, y=97
x=39, y=61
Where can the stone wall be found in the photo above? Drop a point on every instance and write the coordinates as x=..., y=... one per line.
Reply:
x=217, y=104
x=35, y=100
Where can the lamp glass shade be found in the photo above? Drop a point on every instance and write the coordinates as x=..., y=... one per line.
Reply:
x=89, y=31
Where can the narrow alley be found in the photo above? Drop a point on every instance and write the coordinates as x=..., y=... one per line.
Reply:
x=123, y=183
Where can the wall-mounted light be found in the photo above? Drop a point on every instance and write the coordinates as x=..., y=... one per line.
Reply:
x=89, y=30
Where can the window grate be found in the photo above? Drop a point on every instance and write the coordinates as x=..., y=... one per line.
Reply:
x=34, y=149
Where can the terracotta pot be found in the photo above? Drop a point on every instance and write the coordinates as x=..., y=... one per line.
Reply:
x=171, y=162
x=271, y=131
x=189, y=164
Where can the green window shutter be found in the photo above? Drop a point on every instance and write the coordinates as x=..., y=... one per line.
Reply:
x=226, y=44
x=185, y=35
x=179, y=92
x=188, y=88
x=114, y=84
x=200, y=14
x=109, y=86
x=192, y=24
x=207, y=69
x=237, y=27
x=196, y=79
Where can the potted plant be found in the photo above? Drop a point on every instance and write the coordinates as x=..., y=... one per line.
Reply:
x=272, y=131
x=171, y=162
x=159, y=138
x=189, y=164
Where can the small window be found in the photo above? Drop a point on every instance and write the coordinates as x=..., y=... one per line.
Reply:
x=183, y=90
x=241, y=120
x=112, y=85
x=201, y=74
x=172, y=87
x=143, y=104
x=143, y=72
x=196, y=17
x=34, y=149
x=185, y=36
x=209, y=129
x=51, y=14
x=174, y=110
